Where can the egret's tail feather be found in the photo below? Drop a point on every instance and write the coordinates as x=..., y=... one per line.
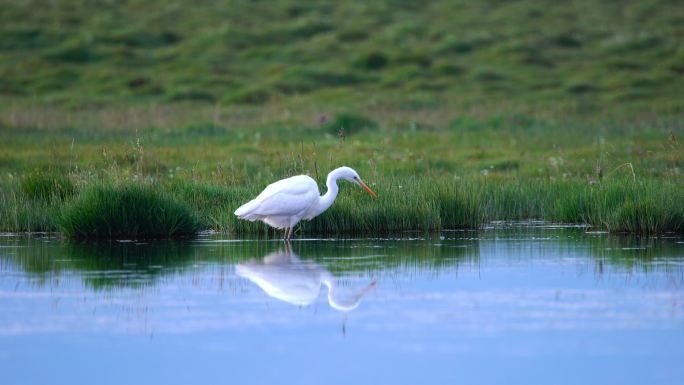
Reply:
x=246, y=211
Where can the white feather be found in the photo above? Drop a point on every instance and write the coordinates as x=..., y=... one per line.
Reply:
x=282, y=201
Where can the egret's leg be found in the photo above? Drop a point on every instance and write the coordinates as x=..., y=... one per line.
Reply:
x=287, y=229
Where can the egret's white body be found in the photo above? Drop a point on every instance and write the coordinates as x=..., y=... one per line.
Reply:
x=284, y=203
x=282, y=275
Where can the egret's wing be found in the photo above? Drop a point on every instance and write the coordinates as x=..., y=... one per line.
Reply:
x=296, y=185
x=285, y=197
x=283, y=276
x=297, y=286
x=289, y=200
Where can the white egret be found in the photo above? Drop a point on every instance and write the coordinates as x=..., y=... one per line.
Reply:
x=284, y=203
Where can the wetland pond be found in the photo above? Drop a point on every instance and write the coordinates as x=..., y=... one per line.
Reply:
x=509, y=304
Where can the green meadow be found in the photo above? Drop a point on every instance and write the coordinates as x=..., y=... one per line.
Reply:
x=159, y=118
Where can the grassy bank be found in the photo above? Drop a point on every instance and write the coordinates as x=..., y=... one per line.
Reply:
x=434, y=169
x=162, y=209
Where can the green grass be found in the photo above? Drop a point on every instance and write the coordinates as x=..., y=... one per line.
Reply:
x=178, y=208
x=458, y=113
x=345, y=124
x=47, y=185
x=134, y=210
x=243, y=52
x=433, y=169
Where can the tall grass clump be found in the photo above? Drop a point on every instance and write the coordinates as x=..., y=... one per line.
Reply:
x=459, y=205
x=215, y=204
x=398, y=207
x=20, y=213
x=126, y=211
x=403, y=204
x=638, y=207
x=45, y=185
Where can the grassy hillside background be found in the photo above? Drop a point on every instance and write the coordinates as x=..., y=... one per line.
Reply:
x=227, y=52
x=458, y=112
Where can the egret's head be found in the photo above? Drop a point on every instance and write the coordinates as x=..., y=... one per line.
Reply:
x=351, y=175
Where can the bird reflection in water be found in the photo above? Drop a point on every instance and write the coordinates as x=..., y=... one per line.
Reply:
x=282, y=275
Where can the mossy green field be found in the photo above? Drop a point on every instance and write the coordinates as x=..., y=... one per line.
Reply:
x=457, y=113
x=407, y=52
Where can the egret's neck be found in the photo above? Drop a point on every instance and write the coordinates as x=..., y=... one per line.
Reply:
x=328, y=198
x=345, y=301
x=334, y=302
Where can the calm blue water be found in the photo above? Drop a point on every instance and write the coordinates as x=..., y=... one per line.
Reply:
x=509, y=305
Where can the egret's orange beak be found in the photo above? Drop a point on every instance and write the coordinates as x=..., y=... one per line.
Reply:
x=365, y=187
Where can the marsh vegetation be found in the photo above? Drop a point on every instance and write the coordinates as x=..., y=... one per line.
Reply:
x=456, y=113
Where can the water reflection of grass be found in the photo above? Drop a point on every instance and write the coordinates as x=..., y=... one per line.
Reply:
x=100, y=264
x=113, y=264
x=104, y=265
x=639, y=254
x=621, y=252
